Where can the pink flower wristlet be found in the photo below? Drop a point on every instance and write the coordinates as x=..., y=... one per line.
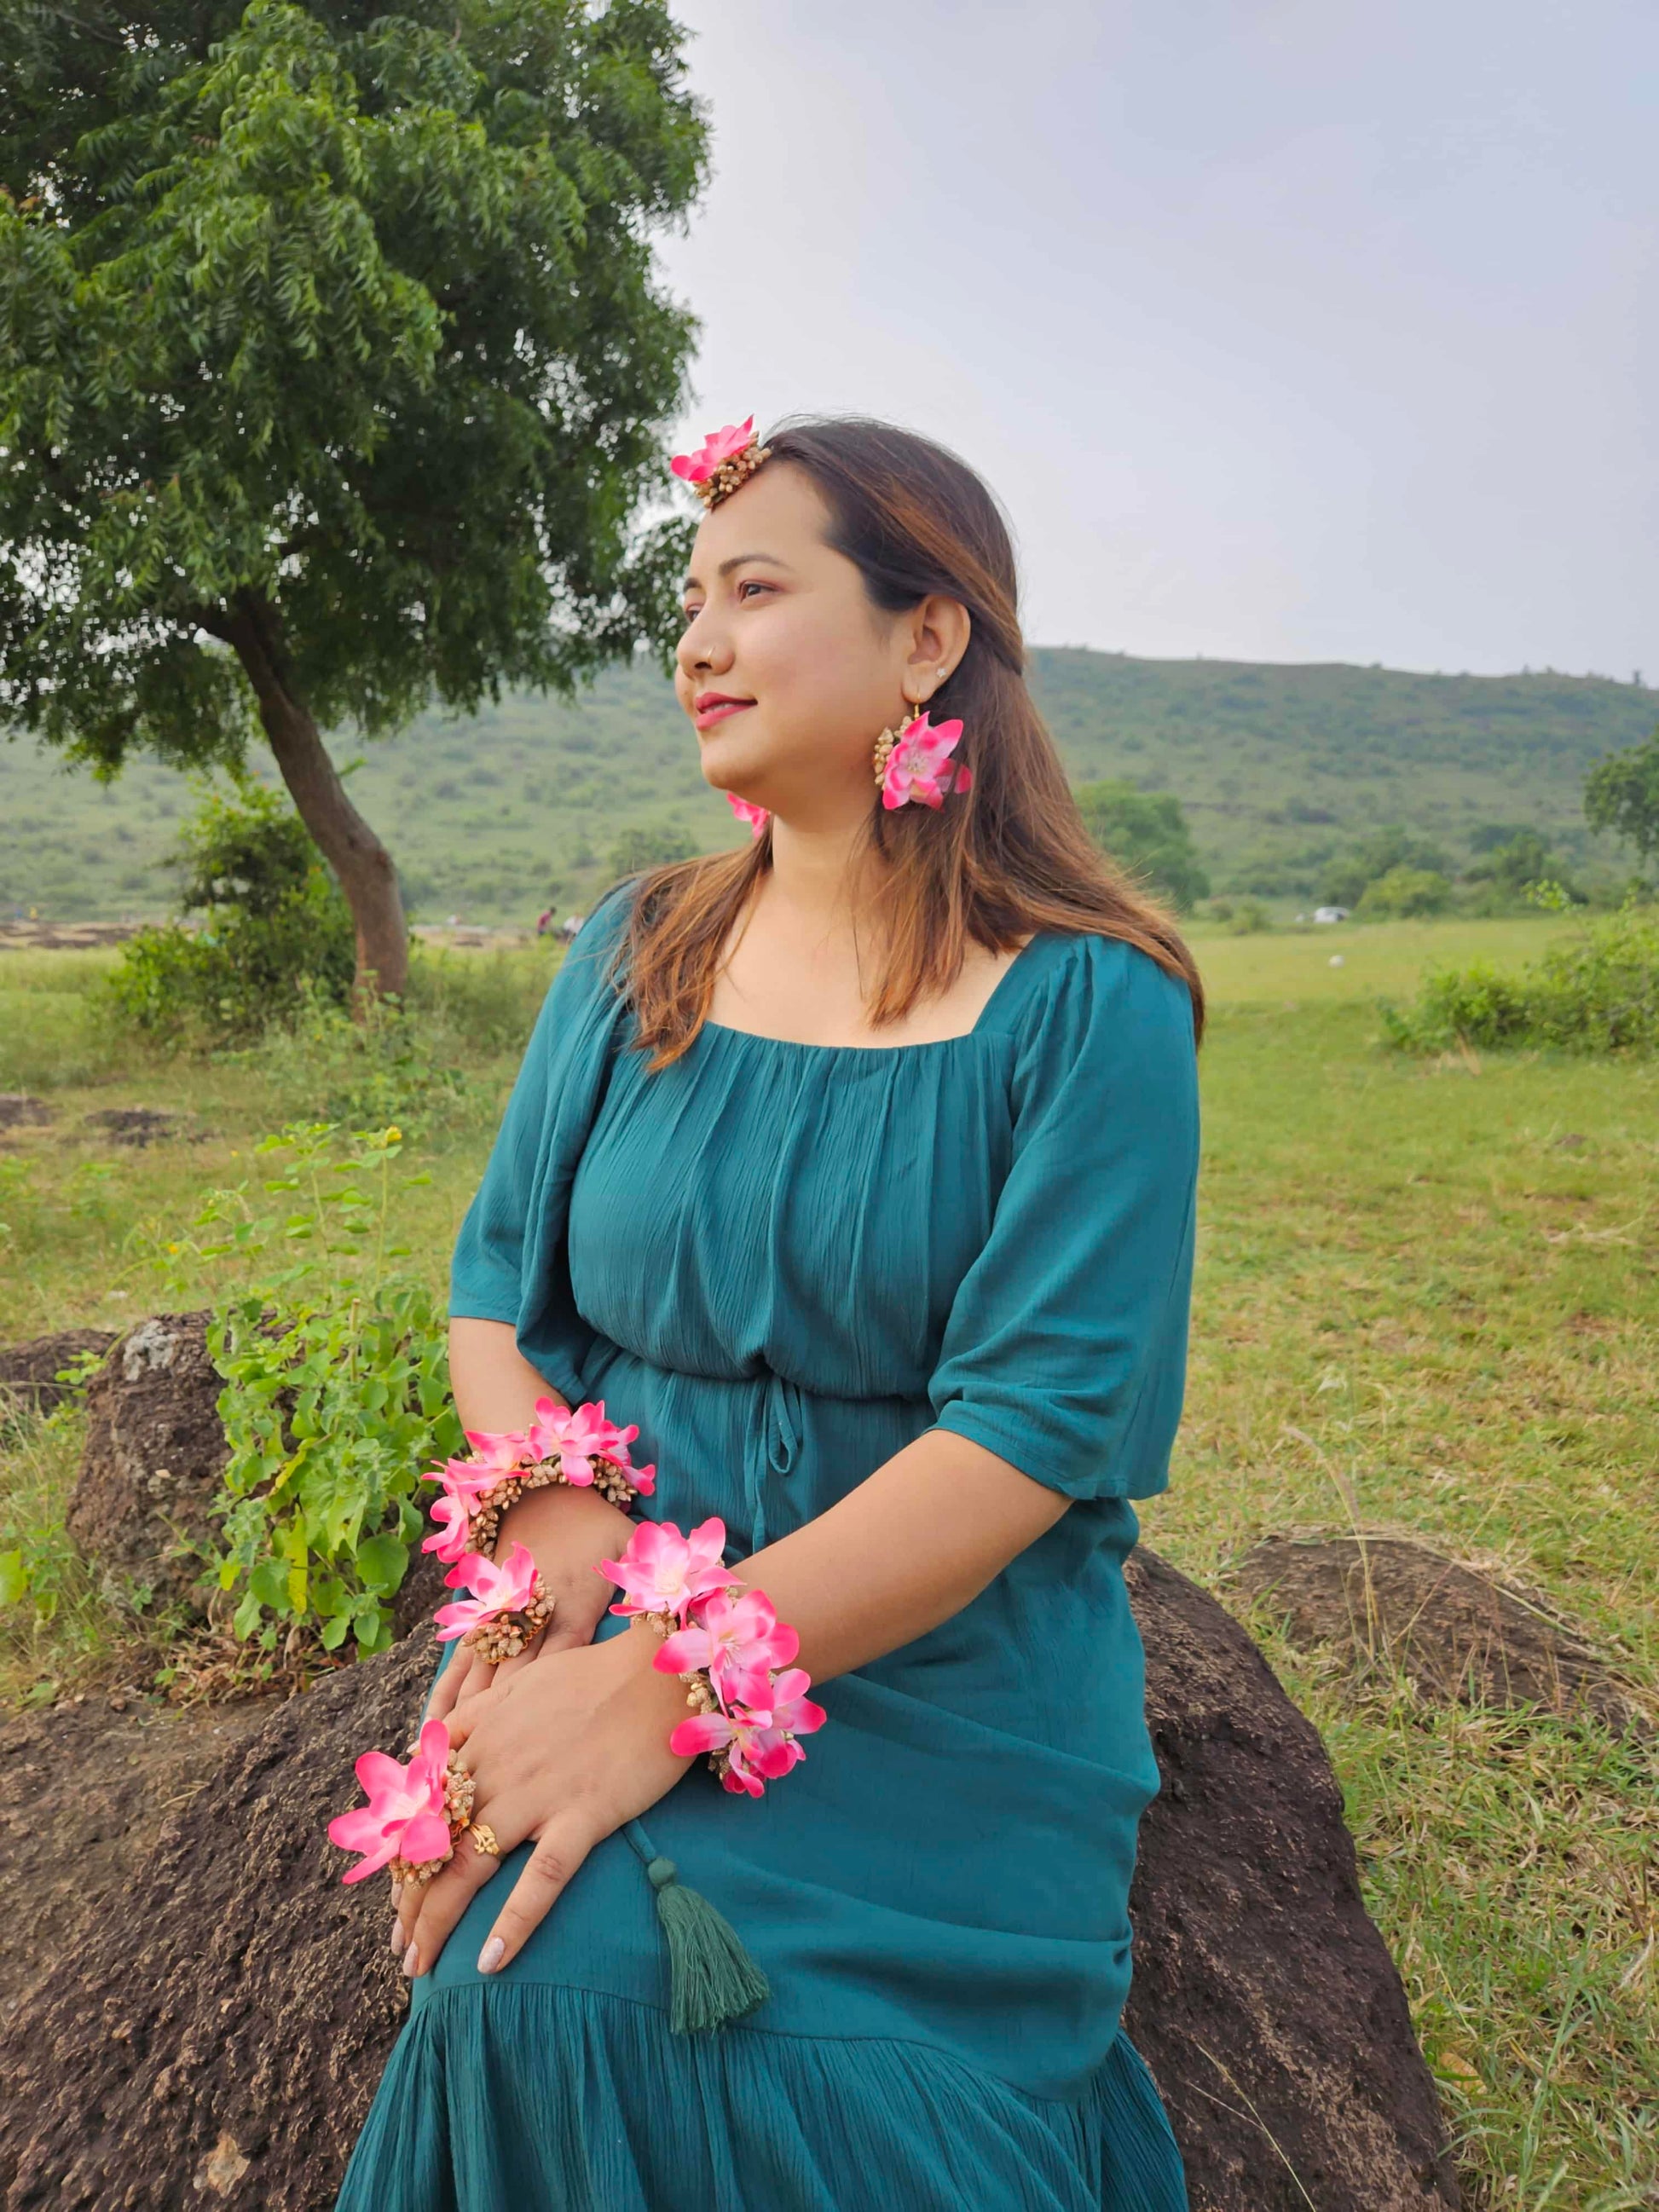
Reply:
x=572, y=1444
x=748, y=1698
x=726, y=1643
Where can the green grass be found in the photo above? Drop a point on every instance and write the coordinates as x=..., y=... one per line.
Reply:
x=1278, y=768
x=1427, y=1299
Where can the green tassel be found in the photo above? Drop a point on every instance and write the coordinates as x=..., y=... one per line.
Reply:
x=711, y=1977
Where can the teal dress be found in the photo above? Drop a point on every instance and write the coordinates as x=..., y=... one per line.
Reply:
x=785, y=1261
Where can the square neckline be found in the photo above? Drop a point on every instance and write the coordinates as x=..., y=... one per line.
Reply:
x=1021, y=960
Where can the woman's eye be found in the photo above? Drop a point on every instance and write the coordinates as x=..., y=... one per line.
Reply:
x=750, y=584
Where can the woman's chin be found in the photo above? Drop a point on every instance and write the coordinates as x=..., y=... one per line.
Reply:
x=728, y=764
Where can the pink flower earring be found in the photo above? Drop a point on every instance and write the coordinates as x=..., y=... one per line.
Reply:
x=914, y=762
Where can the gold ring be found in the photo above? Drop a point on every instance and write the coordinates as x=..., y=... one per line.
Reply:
x=483, y=1838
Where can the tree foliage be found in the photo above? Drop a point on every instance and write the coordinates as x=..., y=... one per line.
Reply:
x=1622, y=794
x=1147, y=833
x=333, y=366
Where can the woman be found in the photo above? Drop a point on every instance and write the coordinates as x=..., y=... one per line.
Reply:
x=856, y=1168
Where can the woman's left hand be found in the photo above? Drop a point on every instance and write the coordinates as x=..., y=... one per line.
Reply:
x=563, y=1752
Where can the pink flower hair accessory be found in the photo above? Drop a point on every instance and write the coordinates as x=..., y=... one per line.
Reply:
x=914, y=762
x=723, y=463
x=508, y=1608
x=414, y=1815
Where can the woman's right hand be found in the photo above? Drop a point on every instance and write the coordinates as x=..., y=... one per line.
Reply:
x=567, y=1532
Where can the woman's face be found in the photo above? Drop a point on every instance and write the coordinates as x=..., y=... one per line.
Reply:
x=787, y=670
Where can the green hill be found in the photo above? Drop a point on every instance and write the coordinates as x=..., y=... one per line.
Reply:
x=1278, y=768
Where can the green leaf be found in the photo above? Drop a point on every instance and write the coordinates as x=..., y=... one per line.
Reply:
x=14, y=1578
x=382, y=1563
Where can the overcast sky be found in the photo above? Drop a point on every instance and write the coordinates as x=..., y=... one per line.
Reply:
x=1287, y=330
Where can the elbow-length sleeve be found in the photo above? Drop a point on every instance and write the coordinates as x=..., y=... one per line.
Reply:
x=1065, y=1350
x=510, y=1260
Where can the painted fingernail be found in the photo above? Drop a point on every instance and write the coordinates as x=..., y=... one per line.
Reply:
x=396, y=1935
x=491, y=1955
x=410, y=1961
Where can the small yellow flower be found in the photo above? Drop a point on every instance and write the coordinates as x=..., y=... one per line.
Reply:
x=172, y=1247
x=394, y=1136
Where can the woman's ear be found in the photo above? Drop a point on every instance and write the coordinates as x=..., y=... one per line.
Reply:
x=939, y=631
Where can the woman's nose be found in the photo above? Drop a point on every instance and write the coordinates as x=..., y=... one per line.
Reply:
x=702, y=649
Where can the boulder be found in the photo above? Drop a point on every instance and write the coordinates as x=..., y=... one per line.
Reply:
x=1393, y=1603
x=213, y=2035
x=28, y=1372
x=155, y=1450
x=218, y=2042
x=1264, y=1999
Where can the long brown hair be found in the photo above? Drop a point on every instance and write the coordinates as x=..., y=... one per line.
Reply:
x=1006, y=859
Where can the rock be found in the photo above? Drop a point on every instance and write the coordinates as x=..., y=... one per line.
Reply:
x=154, y=1453
x=214, y=2037
x=138, y=1126
x=1456, y=1633
x=85, y=1792
x=19, y=1111
x=1264, y=1999
x=27, y=1371
x=225, y=2038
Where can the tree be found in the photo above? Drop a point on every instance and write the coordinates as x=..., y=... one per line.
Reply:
x=333, y=371
x=644, y=848
x=1622, y=794
x=1402, y=892
x=1392, y=846
x=1523, y=859
x=1147, y=833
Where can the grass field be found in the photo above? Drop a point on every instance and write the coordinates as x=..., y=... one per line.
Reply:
x=1428, y=1298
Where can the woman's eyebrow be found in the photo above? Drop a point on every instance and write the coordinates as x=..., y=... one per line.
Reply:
x=739, y=561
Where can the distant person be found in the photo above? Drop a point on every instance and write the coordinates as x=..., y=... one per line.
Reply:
x=570, y=926
x=858, y=1169
x=543, y=922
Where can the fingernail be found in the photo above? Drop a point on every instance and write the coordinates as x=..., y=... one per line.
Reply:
x=491, y=1955
x=410, y=1961
x=396, y=1935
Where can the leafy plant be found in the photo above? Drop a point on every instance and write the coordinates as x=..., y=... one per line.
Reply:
x=336, y=1390
x=275, y=934
x=1596, y=990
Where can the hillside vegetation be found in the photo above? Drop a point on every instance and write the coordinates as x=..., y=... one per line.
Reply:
x=1278, y=769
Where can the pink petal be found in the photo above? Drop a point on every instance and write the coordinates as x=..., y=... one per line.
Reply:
x=704, y=1732
x=426, y=1837
x=683, y=1652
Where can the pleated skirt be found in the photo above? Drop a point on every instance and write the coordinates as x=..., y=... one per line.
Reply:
x=544, y=2099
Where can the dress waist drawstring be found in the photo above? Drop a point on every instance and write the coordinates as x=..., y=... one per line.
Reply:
x=773, y=1449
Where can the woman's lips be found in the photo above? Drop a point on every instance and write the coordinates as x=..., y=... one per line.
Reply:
x=712, y=709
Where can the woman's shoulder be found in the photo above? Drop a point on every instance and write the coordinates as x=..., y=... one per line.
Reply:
x=1075, y=979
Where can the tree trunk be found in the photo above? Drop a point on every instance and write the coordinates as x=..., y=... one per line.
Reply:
x=365, y=868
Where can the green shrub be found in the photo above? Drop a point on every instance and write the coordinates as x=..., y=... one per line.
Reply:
x=1247, y=918
x=1596, y=991
x=1403, y=894
x=337, y=1391
x=274, y=929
